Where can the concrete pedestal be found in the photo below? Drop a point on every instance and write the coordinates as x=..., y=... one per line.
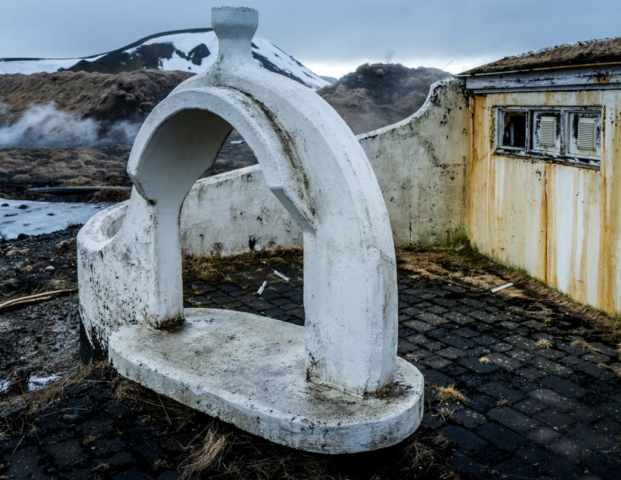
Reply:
x=250, y=371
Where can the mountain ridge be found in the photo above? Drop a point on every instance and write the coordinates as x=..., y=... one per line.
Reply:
x=193, y=50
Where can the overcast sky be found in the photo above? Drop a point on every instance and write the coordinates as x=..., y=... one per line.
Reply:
x=331, y=37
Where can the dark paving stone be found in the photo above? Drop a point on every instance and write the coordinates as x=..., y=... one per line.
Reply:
x=502, y=392
x=502, y=437
x=66, y=453
x=23, y=463
x=419, y=326
x=515, y=468
x=463, y=438
x=470, y=418
x=553, y=399
x=564, y=387
x=513, y=419
x=570, y=449
x=543, y=435
x=132, y=474
x=504, y=361
x=474, y=364
x=604, y=466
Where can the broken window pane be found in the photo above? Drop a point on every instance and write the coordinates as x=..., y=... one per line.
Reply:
x=514, y=132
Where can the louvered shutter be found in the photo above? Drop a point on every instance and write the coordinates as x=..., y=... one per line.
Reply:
x=586, y=133
x=547, y=132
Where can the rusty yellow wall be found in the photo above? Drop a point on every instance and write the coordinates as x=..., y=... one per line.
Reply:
x=560, y=223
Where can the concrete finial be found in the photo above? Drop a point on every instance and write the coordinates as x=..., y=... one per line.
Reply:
x=234, y=27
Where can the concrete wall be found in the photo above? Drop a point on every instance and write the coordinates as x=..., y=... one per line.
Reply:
x=419, y=163
x=558, y=222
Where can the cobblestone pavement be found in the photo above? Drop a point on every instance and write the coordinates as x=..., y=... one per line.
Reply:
x=543, y=394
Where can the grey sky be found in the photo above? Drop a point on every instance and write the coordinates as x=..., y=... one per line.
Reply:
x=331, y=37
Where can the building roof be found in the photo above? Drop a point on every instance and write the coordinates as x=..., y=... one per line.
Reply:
x=591, y=53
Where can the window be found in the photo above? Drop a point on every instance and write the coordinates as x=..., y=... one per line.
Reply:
x=563, y=134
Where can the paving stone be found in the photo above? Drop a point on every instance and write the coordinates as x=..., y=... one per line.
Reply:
x=465, y=439
x=470, y=418
x=570, y=449
x=467, y=465
x=132, y=474
x=458, y=317
x=501, y=347
x=530, y=406
x=521, y=355
x=612, y=409
x=436, y=361
x=431, y=319
x=418, y=339
x=558, y=467
x=66, y=453
x=543, y=435
x=474, y=364
x=23, y=463
x=502, y=437
x=513, y=419
x=553, y=399
x=602, y=465
x=521, y=342
x=564, y=387
x=554, y=419
x=549, y=367
x=515, y=468
x=504, y=361
x=501, y=392
x=451, y=353
x=403, y=346
x=419, y=326
x=530, y=374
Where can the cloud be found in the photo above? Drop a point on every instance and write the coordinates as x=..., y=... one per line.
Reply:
x=46, y=126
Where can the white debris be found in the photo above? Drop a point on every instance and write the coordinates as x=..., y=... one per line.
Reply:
x=49, y=268
x=260, y=291
x=284, y=277
x=502, y=287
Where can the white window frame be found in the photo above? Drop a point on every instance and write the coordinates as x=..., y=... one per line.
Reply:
x=563, y=156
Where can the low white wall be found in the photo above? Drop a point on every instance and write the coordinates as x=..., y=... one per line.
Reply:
x=419, y=164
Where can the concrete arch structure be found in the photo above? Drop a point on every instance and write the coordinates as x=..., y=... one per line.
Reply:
x=130, y=267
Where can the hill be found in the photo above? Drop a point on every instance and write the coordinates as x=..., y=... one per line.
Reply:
x=380, y=94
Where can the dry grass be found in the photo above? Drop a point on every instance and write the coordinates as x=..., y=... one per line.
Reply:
x=484, y=360
x=111, y=195
x=126, y=391
x=208, y=455
x=89, y=440
x=37, y=400
x=502, y=403
x=544, y=343
x=446, y=414
x=581, y=344
x=216, y=267
x=418, y=454
x=450, y=395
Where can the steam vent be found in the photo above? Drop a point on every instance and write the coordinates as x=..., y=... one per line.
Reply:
x=333, y=386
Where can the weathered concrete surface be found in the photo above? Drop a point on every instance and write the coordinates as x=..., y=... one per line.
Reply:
x=315, y=167
x=249, y=370
x=420, y=164
x=558, y=222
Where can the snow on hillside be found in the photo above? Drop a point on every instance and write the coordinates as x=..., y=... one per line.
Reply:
x=189, y=50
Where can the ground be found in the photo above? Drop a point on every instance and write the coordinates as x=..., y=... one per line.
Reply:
x=519, y=384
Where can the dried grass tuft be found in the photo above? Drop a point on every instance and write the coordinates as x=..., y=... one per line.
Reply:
x=585, y=346
x=502, y=403
x=544, y=343
x=450, y=394
x=208, y=455
x=485, y=360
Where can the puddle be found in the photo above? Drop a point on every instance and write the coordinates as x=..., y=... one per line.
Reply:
x=42, y=217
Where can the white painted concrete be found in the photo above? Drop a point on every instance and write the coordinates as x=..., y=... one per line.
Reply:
x=130, y=262
x=250, y=371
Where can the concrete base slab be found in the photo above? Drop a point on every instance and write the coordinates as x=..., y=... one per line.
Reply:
x=250, y=371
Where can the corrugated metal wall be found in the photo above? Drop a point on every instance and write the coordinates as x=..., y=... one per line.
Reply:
x=558, y=222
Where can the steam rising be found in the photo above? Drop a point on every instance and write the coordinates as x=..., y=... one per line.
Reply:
x=46, y=126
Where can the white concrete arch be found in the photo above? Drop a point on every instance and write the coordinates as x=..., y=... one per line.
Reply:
x=316, y=168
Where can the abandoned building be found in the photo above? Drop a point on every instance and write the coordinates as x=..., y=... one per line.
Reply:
x=517, y=157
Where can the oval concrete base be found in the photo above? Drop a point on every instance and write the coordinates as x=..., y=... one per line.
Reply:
x=250, y=371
